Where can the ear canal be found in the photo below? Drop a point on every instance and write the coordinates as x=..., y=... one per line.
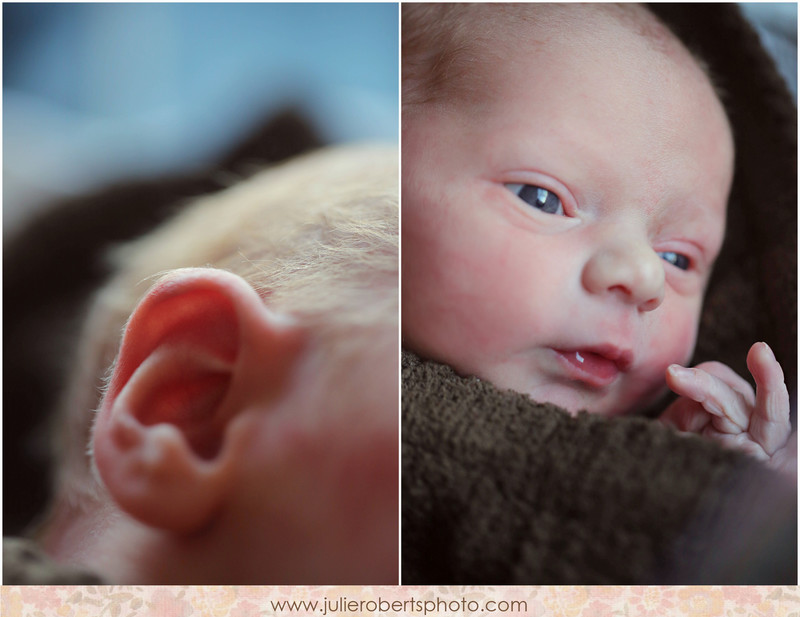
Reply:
x=185, y=388
x=180, y=369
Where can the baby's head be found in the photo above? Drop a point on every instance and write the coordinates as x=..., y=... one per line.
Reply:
x=247, y=432
x=566, y=171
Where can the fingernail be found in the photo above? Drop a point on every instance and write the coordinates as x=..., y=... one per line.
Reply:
x=768, y=350
x=679, y=371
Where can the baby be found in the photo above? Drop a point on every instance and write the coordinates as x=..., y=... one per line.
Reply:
x=247, y=430
x=566, y=171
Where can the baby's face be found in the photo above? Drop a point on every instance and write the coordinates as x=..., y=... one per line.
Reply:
x=559, y=230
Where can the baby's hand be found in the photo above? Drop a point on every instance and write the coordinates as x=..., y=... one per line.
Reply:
x=718, y=403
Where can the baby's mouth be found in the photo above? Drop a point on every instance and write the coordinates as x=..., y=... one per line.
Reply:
x=598, y=367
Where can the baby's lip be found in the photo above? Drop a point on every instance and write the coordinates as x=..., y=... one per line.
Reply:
x=595, y=365
x=623, y=358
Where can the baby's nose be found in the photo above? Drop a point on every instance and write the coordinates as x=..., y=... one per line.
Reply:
x=628, y=267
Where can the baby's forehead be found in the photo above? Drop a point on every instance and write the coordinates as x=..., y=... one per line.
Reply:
x=547, y=22
x=484, y=36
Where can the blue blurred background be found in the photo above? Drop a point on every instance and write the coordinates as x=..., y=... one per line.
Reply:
x=94, y=93
x=776, y=25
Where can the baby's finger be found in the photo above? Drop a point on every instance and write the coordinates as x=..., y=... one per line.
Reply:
x=717, y=397
x=769, y=425
x=732, y=378
x=686, y=416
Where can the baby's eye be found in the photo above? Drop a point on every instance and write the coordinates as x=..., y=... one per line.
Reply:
x=539, y=198
x=676, y=259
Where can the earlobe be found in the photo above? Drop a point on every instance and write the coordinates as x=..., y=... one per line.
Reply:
x=165, y=439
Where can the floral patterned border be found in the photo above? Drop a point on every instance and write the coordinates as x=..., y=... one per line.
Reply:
x=206, y=601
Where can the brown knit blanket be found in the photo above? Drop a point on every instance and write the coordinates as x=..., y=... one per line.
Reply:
x=499, y=489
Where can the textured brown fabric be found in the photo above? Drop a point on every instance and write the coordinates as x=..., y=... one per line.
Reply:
x=499, y=489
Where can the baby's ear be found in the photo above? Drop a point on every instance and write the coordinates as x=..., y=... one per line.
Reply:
x=199, y=348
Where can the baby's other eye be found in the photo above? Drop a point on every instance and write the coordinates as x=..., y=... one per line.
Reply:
x=676, y=259
x=539, y=198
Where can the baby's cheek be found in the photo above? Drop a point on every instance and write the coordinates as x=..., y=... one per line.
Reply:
x=675, y=336
x=347, y=458
x=668, y=339
x=323, y=498
x=368, y=486
x=357, y=481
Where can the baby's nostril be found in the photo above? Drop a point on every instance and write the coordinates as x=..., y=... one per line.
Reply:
x=650, y=305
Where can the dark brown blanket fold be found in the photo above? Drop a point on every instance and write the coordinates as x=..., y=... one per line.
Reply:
x=498, y=489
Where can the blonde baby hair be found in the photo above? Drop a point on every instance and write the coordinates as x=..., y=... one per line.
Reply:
x=316, y=237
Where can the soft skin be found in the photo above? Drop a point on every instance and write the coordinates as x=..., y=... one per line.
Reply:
x=227, y=455
x=632, y=139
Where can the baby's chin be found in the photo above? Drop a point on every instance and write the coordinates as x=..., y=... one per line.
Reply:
x=628, y=394
x=574, y=397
